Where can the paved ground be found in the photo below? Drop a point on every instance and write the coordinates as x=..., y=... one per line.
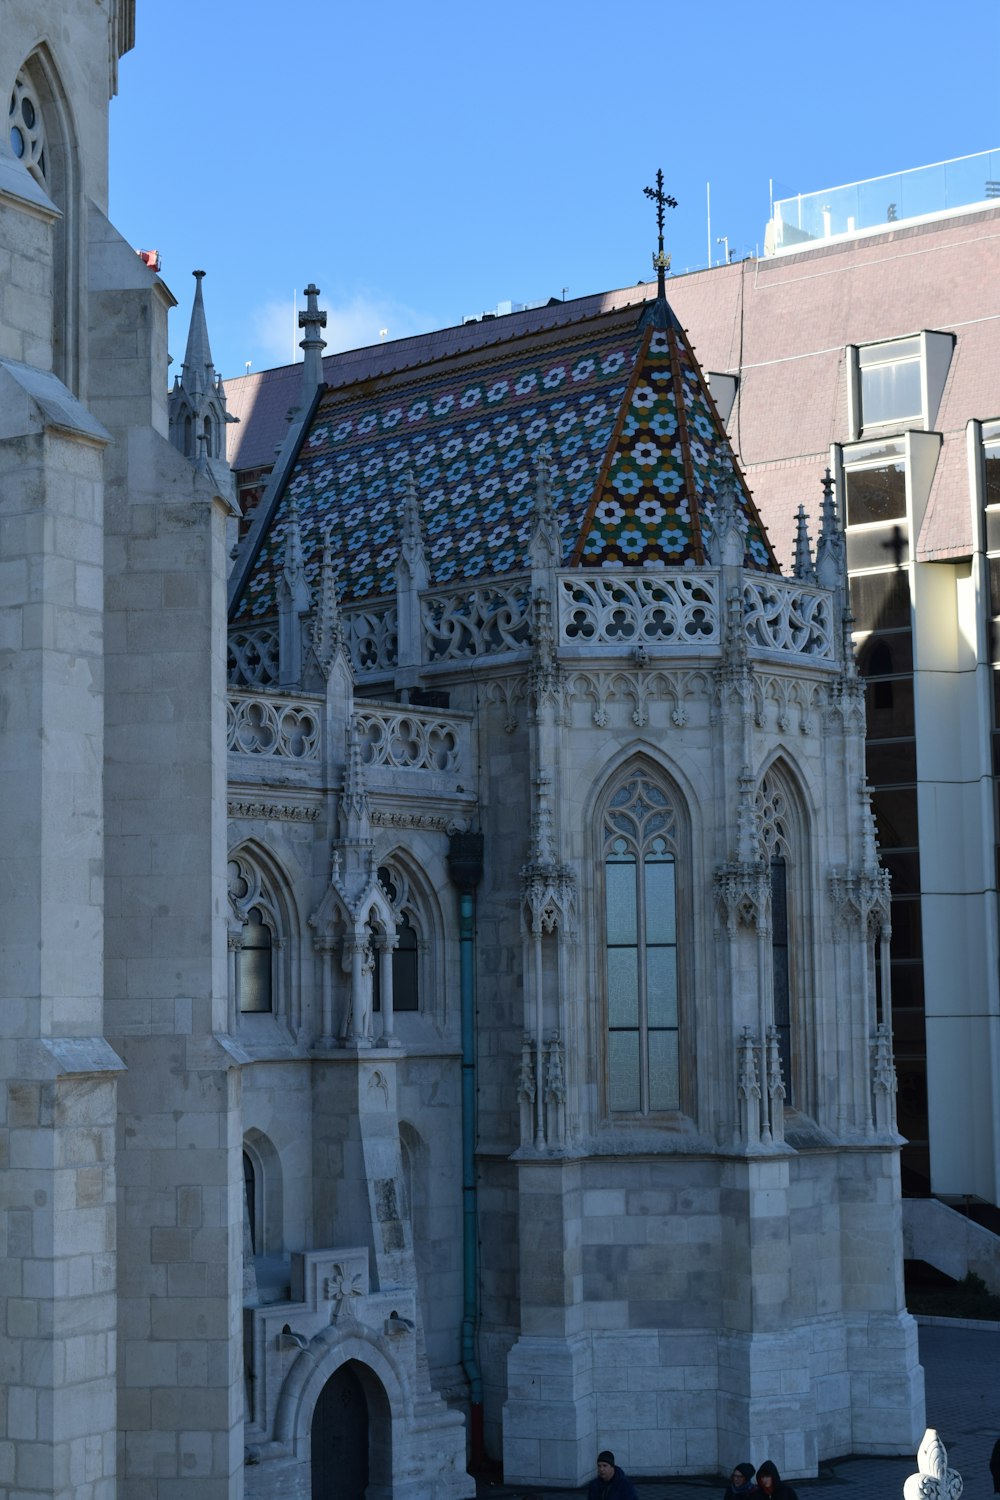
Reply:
x=962, y=1374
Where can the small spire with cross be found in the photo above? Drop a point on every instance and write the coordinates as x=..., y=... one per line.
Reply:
x=660, y=260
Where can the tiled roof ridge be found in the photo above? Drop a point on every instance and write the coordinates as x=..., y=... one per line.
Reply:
x=498, y=333
x=454, y=361
x=576, y=556
x=723, y=437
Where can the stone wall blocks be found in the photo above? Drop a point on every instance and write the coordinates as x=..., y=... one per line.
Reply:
x=677, y=1411
x=832, y=1393
x=522, y=1457
x=193, y=1362
x=661, y=1313
x=654, y=1378
x=795, y=1381
x=150, y=1364
x=691, y=1350
x=627, y=1410
x=608, y=1315
x=149, y=1453
x=189, y=1318
x=701, y=1444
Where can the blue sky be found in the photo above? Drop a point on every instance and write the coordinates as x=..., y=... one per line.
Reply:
x=425, y=159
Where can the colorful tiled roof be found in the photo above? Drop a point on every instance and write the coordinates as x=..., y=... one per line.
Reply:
x=669, y=463
x=635, y=450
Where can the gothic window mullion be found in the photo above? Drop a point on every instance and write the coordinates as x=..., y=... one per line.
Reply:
x=641, y=939
x=642, y=974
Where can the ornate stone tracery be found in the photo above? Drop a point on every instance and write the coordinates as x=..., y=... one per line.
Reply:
x=26, y=128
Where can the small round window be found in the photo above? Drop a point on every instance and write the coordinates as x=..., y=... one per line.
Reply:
x=27, y=136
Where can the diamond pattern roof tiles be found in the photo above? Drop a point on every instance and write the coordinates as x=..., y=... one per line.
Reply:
x=635, y=450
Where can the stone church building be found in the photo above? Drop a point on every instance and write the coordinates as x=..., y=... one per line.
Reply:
x=446, y=1009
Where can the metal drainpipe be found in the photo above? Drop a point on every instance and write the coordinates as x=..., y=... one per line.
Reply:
x=465, y=866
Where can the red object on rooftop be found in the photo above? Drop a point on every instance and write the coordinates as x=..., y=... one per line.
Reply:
x=150, y=257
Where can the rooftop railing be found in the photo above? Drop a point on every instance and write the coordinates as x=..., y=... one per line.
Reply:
x=943, y=187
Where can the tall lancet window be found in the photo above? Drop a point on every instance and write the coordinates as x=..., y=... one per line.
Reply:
x=773, y=816
x=640, y=885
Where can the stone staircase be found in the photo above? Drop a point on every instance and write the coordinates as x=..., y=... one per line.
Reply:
x=953, y=1242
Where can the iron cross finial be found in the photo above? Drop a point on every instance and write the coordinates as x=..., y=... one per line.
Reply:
x=662, y=200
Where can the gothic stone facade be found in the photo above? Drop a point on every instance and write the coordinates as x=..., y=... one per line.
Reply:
x=486, y=1039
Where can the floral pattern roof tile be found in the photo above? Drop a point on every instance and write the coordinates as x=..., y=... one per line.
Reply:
x=670, y=463
x=468, y=437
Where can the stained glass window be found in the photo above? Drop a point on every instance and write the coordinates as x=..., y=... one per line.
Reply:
x=641, y=949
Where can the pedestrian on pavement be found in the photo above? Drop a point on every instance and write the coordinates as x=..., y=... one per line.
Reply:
x=995, y=1466
x=771, y=1486
x=611, y=1483
x=741, y=1484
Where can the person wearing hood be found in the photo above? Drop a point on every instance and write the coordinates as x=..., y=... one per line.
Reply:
x=771, y=1486
x=611, y=1483
x=741, y=1484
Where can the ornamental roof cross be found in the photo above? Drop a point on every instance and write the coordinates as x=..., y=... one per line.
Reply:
x=662, y=200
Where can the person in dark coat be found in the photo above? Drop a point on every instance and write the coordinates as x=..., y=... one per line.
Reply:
x=741, y=1484
x=771, y=1486
x=611, y=1483
x=995, y=1466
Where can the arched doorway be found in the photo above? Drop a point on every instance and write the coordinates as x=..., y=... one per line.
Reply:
x=339, y=1438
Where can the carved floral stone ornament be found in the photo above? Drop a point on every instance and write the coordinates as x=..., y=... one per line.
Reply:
x=934, y=1480
x=343, y=1289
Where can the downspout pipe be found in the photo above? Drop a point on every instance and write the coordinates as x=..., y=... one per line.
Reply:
x=465, y=867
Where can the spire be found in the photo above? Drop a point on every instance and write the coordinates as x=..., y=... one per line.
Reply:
x=312, y=346
x=803, y=566
x=669, y=476
x=724, y=533
x=831, y=549
x=197, y=404
x=327, y=628
x=198, y=370
x=412, y=557
x=354, y=808
x=292, y=572
x=747, y=836
x=545, y=546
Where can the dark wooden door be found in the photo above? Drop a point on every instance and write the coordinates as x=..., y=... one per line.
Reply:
x=340, y=1439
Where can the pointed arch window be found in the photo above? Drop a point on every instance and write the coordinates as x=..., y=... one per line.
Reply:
x=640, y=888
x=255, y=939
x=406, y=954
x=254, y=987
x=773, y=816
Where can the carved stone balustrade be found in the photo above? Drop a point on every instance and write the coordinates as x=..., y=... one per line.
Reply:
x=253, y=656
x=782, y=614
x=640, y=611
x=639, y=608
x=267, y=725
x=478, y=621
x=371, y=638
x=412, y=739
x=649, y=611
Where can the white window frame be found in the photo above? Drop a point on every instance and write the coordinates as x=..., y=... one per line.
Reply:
x=932, y=348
